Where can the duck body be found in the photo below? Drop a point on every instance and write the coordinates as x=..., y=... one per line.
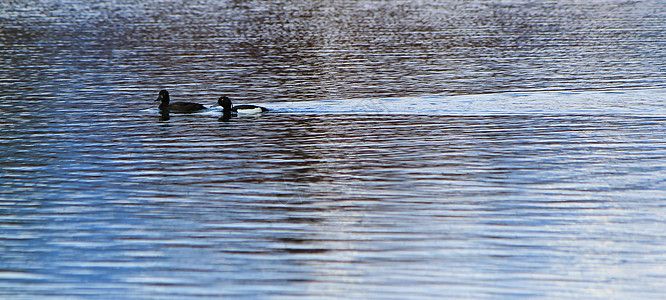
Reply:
x=229, y=108
x=248, y=109
x=182, y=107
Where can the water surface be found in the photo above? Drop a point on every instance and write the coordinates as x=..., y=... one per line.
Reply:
x=461, y=149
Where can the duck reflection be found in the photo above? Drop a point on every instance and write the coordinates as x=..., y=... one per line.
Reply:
x=226, y=116
x=164, y=115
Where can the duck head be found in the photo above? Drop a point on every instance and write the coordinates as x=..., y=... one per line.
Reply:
x=225, y=102
x=163, y=96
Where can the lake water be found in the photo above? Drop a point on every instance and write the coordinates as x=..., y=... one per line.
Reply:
x=460, y=149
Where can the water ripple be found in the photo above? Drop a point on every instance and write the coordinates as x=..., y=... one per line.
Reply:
x=414, y=150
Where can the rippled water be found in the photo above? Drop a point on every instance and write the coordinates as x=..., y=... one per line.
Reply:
x=462, y=149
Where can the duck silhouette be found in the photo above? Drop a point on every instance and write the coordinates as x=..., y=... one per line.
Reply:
x=182, y=107
x=229, y=108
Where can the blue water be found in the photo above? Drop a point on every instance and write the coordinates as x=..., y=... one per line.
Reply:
x=473, y=149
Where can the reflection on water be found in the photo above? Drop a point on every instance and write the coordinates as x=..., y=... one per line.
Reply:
x=331, y=49
x=390, y=163
x=323, y=204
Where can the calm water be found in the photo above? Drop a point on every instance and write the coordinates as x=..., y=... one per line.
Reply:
x=462, y=149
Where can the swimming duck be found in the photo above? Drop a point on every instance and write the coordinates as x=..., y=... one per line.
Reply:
x=177, y=106
x=228, y=107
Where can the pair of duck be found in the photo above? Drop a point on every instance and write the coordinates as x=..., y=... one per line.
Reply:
x=188, y=107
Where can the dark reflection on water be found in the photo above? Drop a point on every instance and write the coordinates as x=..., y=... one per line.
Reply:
x=357, y=183
x=332, y=49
